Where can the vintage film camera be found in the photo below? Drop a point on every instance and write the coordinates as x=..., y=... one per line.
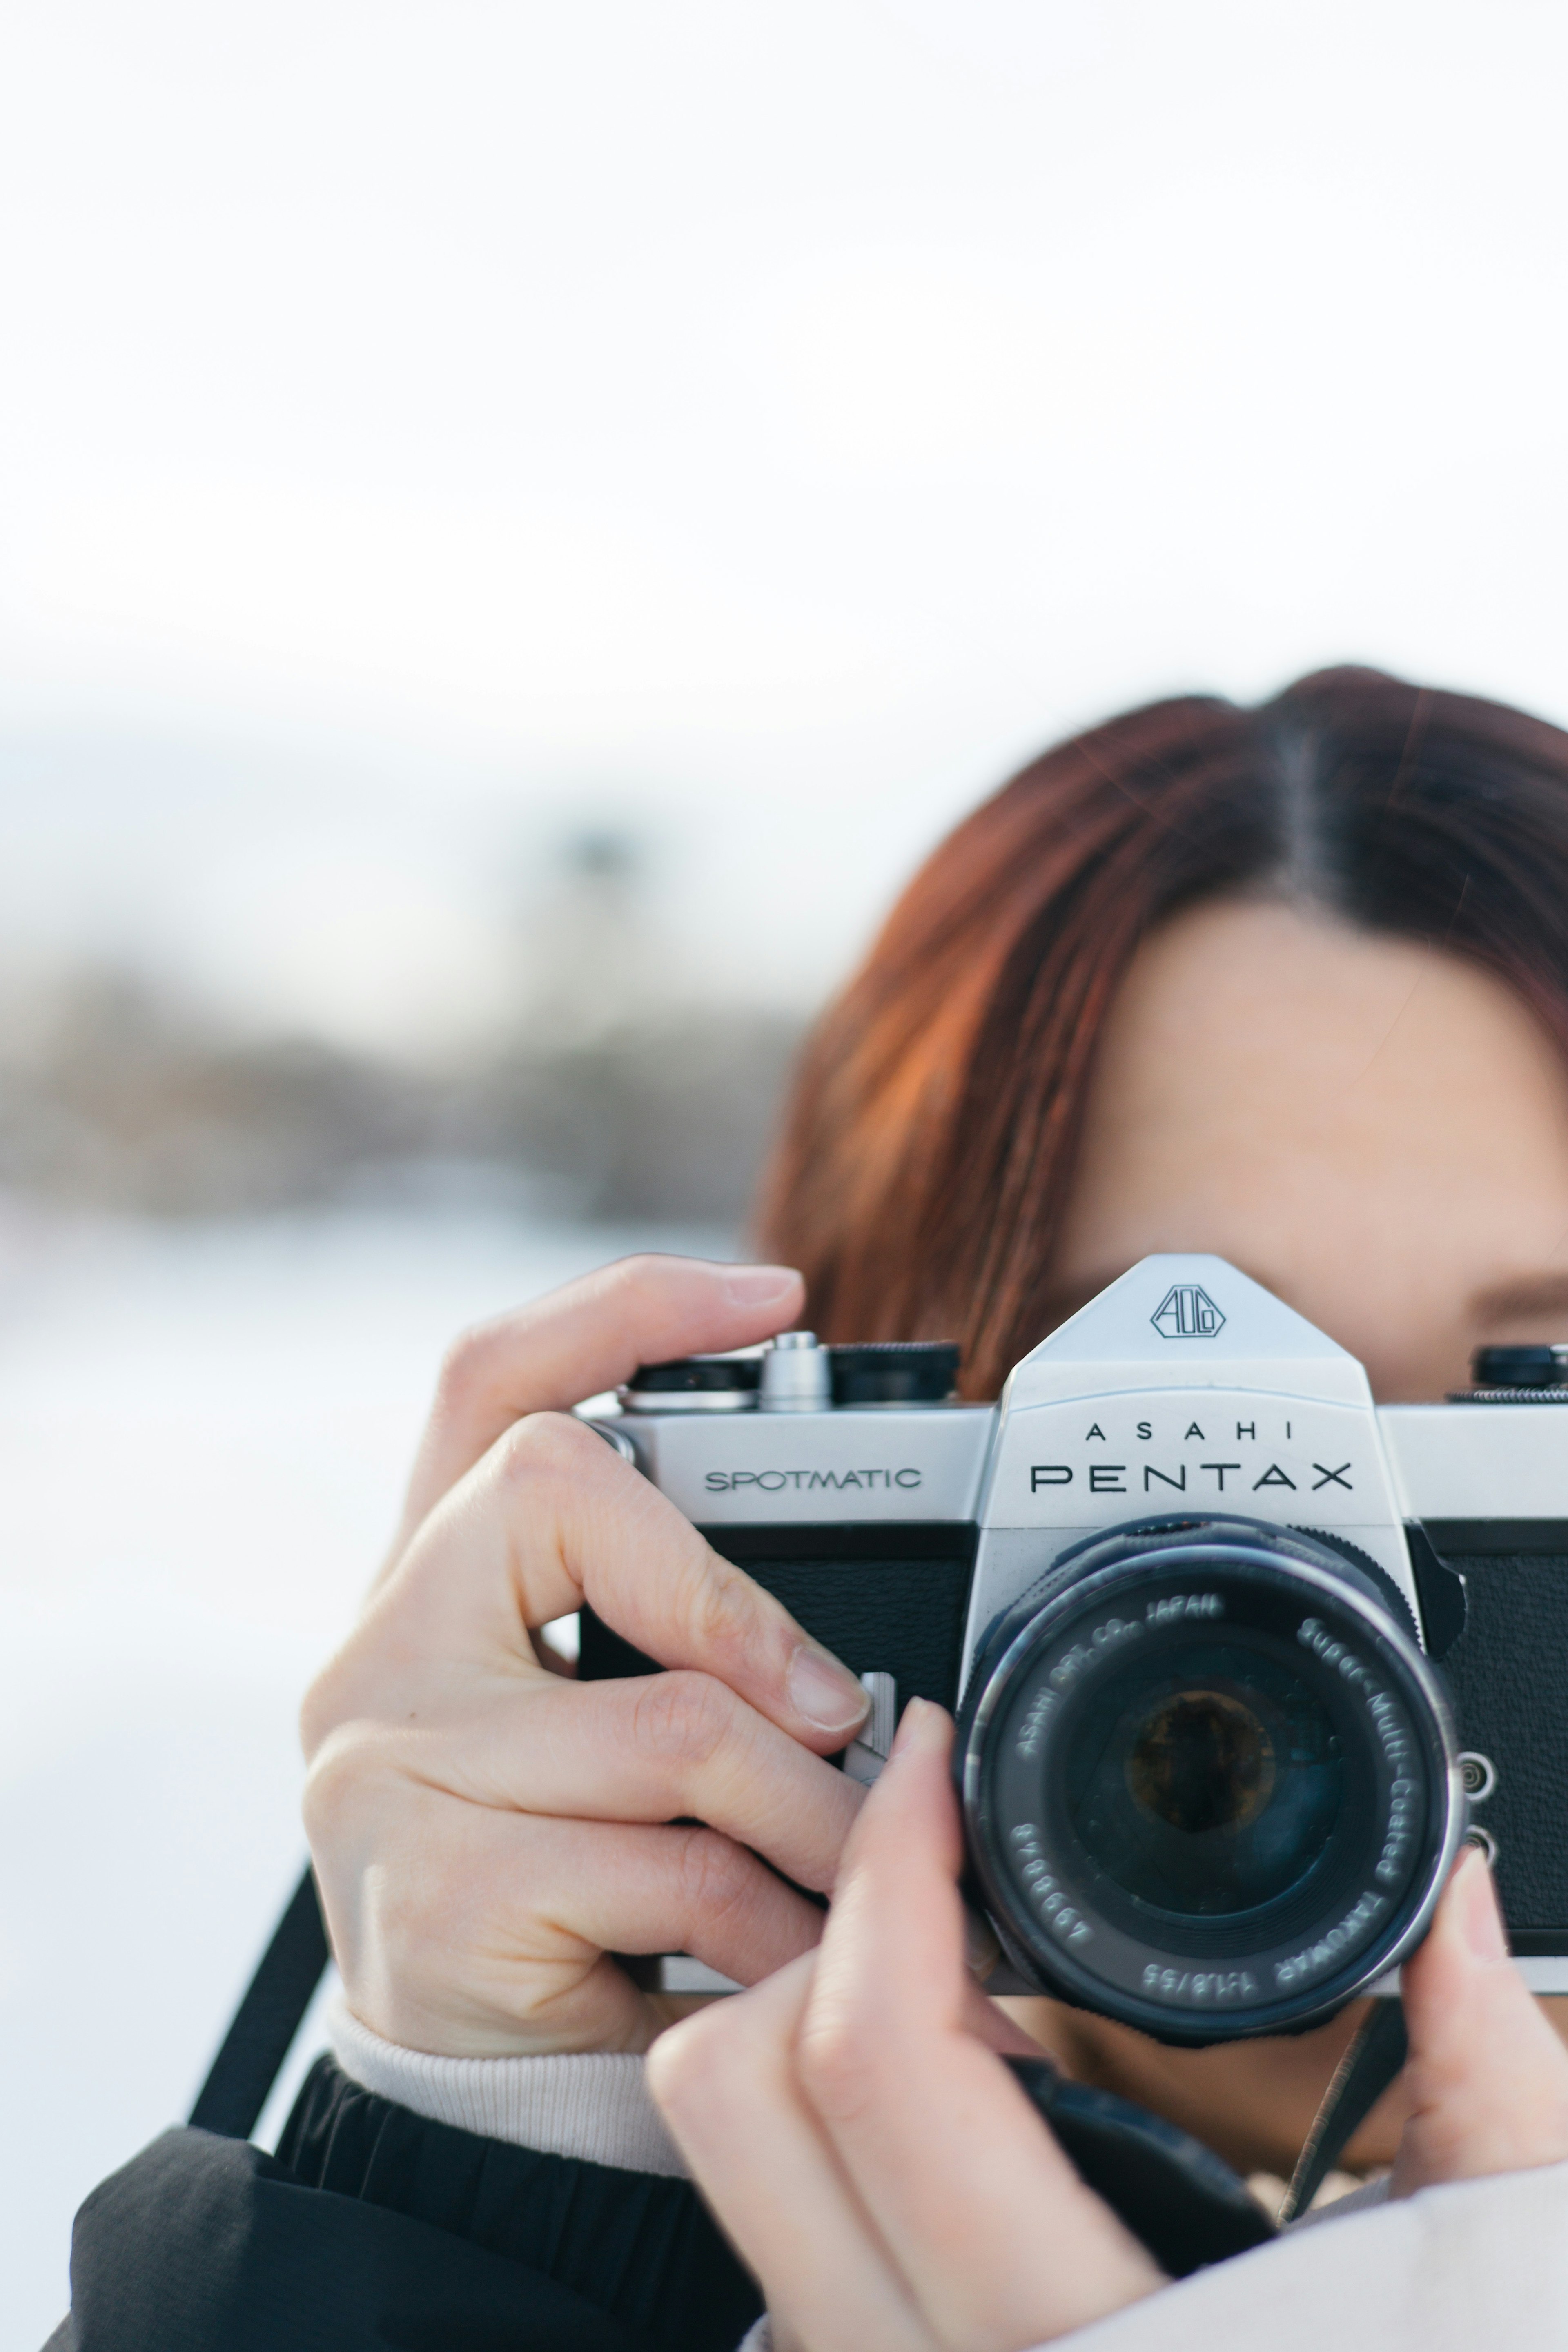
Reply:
x=1238, y=1658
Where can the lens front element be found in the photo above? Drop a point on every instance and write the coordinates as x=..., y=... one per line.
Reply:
x=1200, y=1760
x=1208, y=1783
x=1204, y=1779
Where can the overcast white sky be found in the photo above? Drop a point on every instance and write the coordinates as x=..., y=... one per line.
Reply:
x=425, y=424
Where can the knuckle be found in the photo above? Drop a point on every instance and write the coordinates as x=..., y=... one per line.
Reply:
x=351, y=1689
x=466, y=1369
x=684, y=1718
x=721, y=1613
x=718, y=1878
x=836, y=2065
x=320, y=1710
x=691, y=2063
x=546, y=1447
x=341, y=1785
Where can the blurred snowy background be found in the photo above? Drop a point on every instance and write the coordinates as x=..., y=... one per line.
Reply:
x=518, y=526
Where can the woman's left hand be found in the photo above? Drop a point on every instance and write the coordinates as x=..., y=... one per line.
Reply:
x=856, y=2135
x=850, y=2123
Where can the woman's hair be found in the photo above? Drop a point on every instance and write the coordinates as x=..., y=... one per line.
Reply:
x=929, y=1142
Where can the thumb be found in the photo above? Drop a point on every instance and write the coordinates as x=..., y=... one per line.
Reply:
x=1486, y=2077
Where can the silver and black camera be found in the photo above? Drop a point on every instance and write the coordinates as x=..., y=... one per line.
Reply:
x=1237, y=1657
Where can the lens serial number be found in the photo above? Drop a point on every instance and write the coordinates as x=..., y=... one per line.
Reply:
x=1042, y=1889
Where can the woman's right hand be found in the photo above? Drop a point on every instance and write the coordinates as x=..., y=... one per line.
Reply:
x=486, y=1832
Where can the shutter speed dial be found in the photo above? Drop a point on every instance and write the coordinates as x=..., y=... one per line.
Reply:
x=795, y=1373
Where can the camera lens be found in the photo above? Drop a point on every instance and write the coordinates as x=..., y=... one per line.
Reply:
x=1208, y=1781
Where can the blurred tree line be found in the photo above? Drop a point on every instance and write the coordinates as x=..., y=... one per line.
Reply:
x=610, y=1096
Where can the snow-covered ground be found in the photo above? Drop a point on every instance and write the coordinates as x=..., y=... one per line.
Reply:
x=203, y=1436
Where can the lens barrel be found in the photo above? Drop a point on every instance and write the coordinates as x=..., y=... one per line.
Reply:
x=1209, y=1782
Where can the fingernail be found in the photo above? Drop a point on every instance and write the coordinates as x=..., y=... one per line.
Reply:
x=759, y=1286
x=824, y=1693
x=1479, y=1913
x=920, y=1721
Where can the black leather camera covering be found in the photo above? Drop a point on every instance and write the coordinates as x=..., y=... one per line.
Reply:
x=884, y=1597
x=1508, y=1678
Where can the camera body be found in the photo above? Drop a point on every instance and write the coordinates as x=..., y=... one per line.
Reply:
x=1238, y=1656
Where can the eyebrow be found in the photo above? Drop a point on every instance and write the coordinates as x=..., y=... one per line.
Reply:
x=1529, y=1294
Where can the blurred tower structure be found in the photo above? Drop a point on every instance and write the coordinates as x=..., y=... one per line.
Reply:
x=594, y=965
x=628, y=1091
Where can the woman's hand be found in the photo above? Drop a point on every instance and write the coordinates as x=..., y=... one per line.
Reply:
x=872, y=2157
x=1487, y=2078
x=888, y=2182
x=485, y=1831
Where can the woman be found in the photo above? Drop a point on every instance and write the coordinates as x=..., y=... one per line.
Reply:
x=1291, y=985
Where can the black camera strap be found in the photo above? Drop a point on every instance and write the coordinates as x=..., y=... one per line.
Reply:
x=231, y=2099
x=1370, y=2063
x=1182, y=2199
x=1187, y=2205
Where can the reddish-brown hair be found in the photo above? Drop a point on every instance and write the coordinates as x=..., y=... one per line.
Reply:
x=929, y=1142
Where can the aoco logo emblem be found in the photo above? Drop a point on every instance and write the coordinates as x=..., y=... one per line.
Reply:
x=1186, y=1312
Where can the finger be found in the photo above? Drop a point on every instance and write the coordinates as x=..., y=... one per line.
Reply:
x=529, y=1907
x=945, y=2152
x=551, y=1517
x=725, y=2083
x=1486, y=2077
x=651, y=1748
x=617, y=1887
x=589, y=1336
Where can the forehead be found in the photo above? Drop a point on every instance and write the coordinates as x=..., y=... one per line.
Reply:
x=1322, y=1105
x=1282, y=1033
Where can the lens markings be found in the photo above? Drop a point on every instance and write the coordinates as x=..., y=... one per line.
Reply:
x=1041, y=1885
x=1207, y=1984
x=1352, y=1930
